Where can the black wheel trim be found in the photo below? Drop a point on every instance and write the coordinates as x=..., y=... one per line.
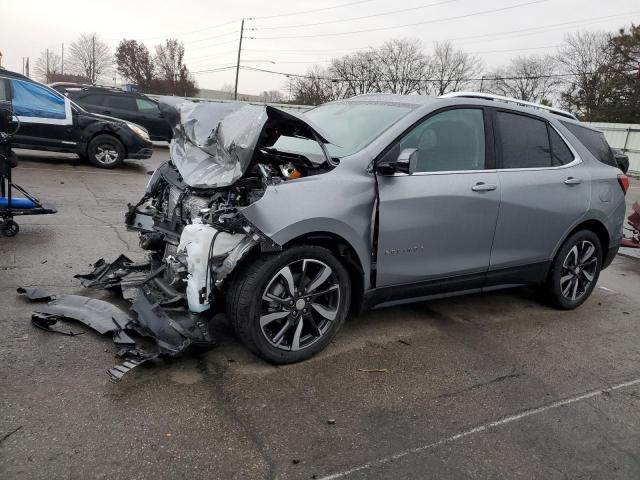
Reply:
x=299, y=304
x=579, y=270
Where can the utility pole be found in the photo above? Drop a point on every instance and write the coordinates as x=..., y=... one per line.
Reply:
x=235, y=90
x=62, y=66
x=47, y=75
x=481, y=83
x=93, y=59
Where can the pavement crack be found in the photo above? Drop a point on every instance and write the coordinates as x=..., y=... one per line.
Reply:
x=499, y=379
x=8, y=434
x=214, y=378
x=92, y=217
x=91, y=192
x=115, y=230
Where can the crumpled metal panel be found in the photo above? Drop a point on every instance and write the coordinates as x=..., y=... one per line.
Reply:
x=213, y=142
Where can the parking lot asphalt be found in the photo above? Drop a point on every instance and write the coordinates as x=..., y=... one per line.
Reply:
x=484, y=386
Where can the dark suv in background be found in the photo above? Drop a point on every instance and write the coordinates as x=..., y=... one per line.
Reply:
x=130, y=106
x=46, y=120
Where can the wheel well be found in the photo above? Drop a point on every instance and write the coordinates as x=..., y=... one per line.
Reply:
x=345, y=253
x=599, y=229
x=111, y=134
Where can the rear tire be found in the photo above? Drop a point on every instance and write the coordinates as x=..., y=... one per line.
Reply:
x=105, y=151
x=575, y=270
x=286, y=307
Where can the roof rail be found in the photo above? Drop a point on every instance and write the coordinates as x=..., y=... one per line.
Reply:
x=500, y=98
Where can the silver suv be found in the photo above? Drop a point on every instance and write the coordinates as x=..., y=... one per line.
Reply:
x=290, y=221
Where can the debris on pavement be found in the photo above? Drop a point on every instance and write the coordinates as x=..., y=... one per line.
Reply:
x=373, y=370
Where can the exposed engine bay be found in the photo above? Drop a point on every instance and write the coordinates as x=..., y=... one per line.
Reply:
x=190, y=221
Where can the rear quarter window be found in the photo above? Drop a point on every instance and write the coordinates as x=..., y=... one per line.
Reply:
x=594, y=141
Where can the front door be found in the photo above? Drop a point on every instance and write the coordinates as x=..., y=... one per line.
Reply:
x=45, y=117
x=440, y=221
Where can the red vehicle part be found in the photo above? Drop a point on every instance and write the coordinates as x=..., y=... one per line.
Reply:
x=634, y=222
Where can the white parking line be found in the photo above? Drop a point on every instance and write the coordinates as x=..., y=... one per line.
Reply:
x=607, y=289
x=482, y=428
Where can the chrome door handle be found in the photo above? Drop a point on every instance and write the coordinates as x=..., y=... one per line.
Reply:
x=572, y=181
x=483, y=187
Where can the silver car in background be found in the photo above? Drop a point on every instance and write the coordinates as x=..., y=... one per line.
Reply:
x=289, y=221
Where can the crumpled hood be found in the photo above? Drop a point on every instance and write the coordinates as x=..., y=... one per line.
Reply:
x=213, y=143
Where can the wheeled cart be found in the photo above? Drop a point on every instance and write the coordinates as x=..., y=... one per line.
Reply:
x=11, y=206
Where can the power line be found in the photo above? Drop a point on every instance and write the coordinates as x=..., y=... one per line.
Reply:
x=545, y=28
x=311, y=11
x=484, y=12
x=389, y=12
x=214, y=45
x=235, y=32
x=519, y=32
x=485, y=78
x=213, y=70
x=173, y=35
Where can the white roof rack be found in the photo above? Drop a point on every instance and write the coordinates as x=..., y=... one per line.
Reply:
x=500, y=98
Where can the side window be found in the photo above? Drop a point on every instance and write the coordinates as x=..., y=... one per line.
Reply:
x=146, y=106
x=594, y=141
x=560, y=153
x=32, y=101
x=121, y=102
x=4, y=91
x=524, y=141
x=450, y=140
x=92, y=99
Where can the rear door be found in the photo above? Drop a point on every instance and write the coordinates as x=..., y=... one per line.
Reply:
x=544, y=192
x=45, y=117
x=440, y=221
x=120, y=106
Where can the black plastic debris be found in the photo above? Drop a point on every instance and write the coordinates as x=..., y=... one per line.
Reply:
x=35, y=293
x=45, y=322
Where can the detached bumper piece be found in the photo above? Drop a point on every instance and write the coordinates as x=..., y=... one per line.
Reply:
x=173, y=331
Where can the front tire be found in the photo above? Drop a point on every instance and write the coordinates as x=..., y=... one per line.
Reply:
x=286, y=307
x=575, y=270
x=105, y=151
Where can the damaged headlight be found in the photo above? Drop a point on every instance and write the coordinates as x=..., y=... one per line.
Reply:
x=138, y=130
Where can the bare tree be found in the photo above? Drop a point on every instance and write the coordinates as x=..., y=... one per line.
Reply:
x=89, y=57
x=402, y=66
x=173, y=72
x=588, y=57
x=48, y=65
x=358, y=72
x=316, y=87
x=526, y=78
x=450, y=69
x=134, y=63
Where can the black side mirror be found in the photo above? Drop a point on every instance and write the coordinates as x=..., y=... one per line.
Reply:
x=406, y=163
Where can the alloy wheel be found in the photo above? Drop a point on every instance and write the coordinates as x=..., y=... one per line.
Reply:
x=578, y=270
x=106, y=154
x=299, y=304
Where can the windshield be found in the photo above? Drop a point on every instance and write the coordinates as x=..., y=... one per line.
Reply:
x=352, y=125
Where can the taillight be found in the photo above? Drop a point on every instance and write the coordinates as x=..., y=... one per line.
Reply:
x=623, y=180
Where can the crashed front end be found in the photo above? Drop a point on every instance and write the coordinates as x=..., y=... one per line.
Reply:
x=190, y=221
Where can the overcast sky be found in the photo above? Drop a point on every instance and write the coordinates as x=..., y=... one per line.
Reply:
x=210, y=29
